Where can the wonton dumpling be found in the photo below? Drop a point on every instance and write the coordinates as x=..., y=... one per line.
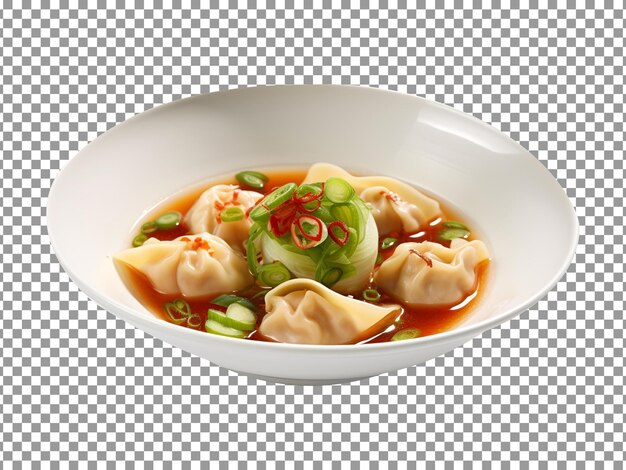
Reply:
x=193, y=265
x=303, y=311
x=395, y=205
x=391, y=213
x=429, y=273
x=204, y=215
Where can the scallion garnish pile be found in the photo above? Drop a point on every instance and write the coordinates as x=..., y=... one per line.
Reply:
x=311, y=230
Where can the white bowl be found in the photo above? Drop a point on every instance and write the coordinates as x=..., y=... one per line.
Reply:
x=522, y=213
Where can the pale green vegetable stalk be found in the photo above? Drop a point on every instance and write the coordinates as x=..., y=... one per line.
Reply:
x=320, y=231
x=301, y=265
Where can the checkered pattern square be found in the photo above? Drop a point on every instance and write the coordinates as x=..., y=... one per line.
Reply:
x=79, y=385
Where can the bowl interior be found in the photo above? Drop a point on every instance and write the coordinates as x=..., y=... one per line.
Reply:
x=522, y=213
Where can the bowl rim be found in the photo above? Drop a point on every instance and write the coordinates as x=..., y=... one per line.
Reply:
x=453, y=335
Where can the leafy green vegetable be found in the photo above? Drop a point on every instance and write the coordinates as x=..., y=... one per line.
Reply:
x=291, y=227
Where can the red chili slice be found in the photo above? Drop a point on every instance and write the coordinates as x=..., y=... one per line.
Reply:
x=308, y=197
x=343, y=227
x=316, y=237
x=298, y=241
x=426, y=259
x=278, y=226
x=281, y=218
x=303, y=207
x=285, y=210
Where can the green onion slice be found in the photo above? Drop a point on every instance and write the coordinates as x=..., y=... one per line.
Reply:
x=311, y=189
x=371, y=295
x=388, y=242
x=194, y=321
x=379, y=258
x=217, y=316
x=240, y=317
x=231, y=214
x=331, y=277
x=252, y=179
x=452, y=233
x=260, y=294
x=168, y=221
x=228, y=299
x=237, y=316
x=259, y=213
x=252, y=255
x=273, y=274
x=178, y=311
x=278, y=196
x=183, y=306
x=216, y=328
x=149, y=227
x=139, y=240
x=455, y=224
x=407, y=333
x=338, y=190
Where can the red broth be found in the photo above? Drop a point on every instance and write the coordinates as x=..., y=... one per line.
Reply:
x=428, y=320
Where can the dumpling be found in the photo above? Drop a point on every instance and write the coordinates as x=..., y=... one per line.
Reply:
x=204, y=215
x=430, y=274
x=395, y=205
x=194, y=265
x=391, y=213
x=303, y=311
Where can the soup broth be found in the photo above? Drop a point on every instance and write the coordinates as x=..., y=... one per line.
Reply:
x=428, y=320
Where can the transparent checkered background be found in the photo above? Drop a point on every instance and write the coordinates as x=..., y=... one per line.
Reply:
x=78, y=384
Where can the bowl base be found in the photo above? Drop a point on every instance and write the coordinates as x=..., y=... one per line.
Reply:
x=287, y=381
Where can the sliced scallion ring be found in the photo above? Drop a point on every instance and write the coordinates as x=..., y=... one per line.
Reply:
x=452, y=233
x=338, y=190
x=228, y=299
x=149, y=227
x=240, y=317
x=252, y=179
x=251, y=249
x=455, y=224
x=194, y=321
x=331, y=277
x=259, y=213
x=217, y=316
x=183, y=306
x=308, y=192
x=273, y=274
x=371, y=295
x=139, y=240
x=379, y=258
x=407, y=333
x=231, y=214
x=388, y=243
x=278, y=196
x=216, y=328
x=168, y=221
x=178, y=311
